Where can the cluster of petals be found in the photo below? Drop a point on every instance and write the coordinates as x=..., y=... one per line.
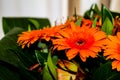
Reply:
x=112, y=50
x=79, y=40
x=83, y=41
x=30, y=37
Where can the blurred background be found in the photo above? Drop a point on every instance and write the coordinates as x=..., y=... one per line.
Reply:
x=51, y=9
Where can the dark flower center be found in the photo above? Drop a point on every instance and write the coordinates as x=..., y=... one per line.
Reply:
x=80, y=42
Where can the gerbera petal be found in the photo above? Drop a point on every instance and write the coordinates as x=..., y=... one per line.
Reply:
x=60, y=42
x=64, y=34
x=113, y=39
x=99, y=35
x=112, y=56
x=95, y=48
x=63, y=47
x=118, y=66
x=73, y=26
x=109, y=52
x=82, y=58
x=87, y=53
x=114, y=64
x=23, y=46
x=118, y=35
x=99, y=43
x=71, y=53
x=84, y=53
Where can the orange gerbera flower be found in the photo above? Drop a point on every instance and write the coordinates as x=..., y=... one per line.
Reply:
x=112, y=50
x=47, y=33
x=29, y=37
x=80, y=40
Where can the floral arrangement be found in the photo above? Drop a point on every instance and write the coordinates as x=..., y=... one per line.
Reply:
x=83, y=48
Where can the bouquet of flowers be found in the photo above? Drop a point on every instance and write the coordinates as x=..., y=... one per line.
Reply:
x=83, y=48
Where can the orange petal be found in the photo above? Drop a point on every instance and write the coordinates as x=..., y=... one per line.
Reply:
x=95, y=49
x=109, y=51
x=99, y=35
x=82, y=58
x=71, y=53
x=87, y=53
x=73, y=26
x=59, y=41
x=114, y=39
x=118, y=35
x=64, y=33
x=99, y=43
x=118, y=66
x=63, y=47
x=114, y=64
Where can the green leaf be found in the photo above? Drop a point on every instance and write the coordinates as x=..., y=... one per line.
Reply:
x=105, y=72
x=92, y=12
x=23, y=22
x=8, y=47
x=41, y=57
x=29, y=28
x=114, y=14
x=51, y=66
x=78, y=22
x=94, y=22
x=70, y=66
x=55, y=59
x=107, y=26
x=8, y=74
x=11, y=53
x=13, y=57
x=46, y=73
x=35, y=22
x=106, y=14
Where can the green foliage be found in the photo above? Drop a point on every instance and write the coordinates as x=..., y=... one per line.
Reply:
x=106, y=16
x=92, y=12
x=51, y=66
x=107, y=21
x=35, y=23
x=106, y=13
x=15, y=61
x=107, y=26
x=78, y=23
x=105, y=72
x=94, y=22
x=41, y=57
x=46, y=73
x=114, y=14
x=6, y=73
x=49, y=69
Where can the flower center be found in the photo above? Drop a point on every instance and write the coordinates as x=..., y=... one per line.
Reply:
x=80, y=42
